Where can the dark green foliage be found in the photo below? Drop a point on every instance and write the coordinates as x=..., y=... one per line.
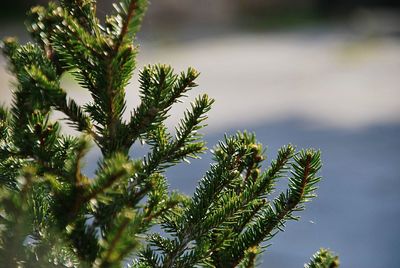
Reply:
x=53, y=215
x=323, y=259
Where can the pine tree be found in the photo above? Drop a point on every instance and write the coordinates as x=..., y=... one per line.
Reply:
x=53, y=215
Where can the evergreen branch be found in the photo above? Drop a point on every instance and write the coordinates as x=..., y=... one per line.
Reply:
x=301, y=188
x=226, y=213
x=159, y=202
x=133, y=5
x=82, y=237
x=159, y=89
x=160, y=159
x=191, y=223
x=29, y=95
x=148, y=258
x=264, y=184
x=79, y=49
x=249, y=260
x=323, y=259
x=15, y=208
x=162, y=243
x=85, y=12
x=127, y=21
x=82, y=148
x=122, y=239
x=73, y=36
x=187, y=129
x=75, y=18
x=113, y=105
x=252, y=210
x=232, y=158
x=10, y=162
x=114, y=242
x=134, y=193
x=185, y=144
x=76, y=115
x=277, y=169
x=196, y=256
x=118, y=67
x=70, y=194
x=104, y=73
x=40, y=24
x=170, y=204
x=45, y=78
x=112, y=170
x=9, y=171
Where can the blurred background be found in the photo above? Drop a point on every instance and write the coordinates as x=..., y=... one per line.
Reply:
x=315, y=73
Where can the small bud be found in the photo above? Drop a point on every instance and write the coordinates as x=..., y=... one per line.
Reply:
x=38, y=129
x=153, y=111
x=235, y=173
x=9, y=45
x=258, y=158
x=255, y=148
x=255, y=173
